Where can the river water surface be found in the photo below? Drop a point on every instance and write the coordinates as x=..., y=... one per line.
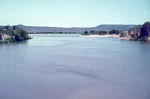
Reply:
x=75, y=67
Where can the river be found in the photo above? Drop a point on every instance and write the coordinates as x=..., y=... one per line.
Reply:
x=63, y=66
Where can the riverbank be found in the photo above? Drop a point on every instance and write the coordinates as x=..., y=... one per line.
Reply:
x=129, y=39
x=112, y=36
x=13, y=34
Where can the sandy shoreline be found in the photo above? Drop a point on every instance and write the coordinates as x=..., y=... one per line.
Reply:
x=113, y=36
x=92, y=36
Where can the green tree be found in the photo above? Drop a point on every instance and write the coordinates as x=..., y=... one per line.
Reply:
x=114, y=32
x=20, y=35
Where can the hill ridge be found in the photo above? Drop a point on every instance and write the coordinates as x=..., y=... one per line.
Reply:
x=106, y=27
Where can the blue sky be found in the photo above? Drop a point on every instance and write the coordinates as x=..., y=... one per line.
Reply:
x=73, y=13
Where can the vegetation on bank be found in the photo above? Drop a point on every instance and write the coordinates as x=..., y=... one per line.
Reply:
x=101, y=32
x=138, y=33
x=12, y=34
x=54, y=33
x=16, y=34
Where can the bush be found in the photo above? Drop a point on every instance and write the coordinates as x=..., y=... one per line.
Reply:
x=114, y=32
x=15, y=34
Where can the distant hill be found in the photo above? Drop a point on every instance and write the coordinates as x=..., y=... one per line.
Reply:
x=115, y=27
x=75, y=29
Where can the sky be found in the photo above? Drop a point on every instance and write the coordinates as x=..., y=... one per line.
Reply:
x=73, y=13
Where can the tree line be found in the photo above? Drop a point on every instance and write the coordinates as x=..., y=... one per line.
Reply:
x=101, y=32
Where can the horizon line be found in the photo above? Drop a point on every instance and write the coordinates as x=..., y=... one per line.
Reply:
x=67, y=26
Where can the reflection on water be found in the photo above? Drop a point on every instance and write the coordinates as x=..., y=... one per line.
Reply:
x=74, y=67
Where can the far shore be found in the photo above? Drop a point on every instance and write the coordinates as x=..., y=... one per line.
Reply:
x=94, y=36
x=46, y=34
x=107, y=35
